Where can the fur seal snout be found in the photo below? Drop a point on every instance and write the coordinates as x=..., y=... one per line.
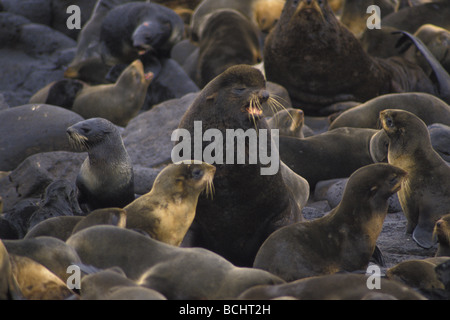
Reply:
x=106, y=177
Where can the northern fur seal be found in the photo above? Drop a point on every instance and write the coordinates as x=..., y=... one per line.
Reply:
x=228, y=38
x=167, y=211
x=112, y=284
x=36, y=282
x=263, y=13
x=60, y=199
x=333, y=287
x=366, y=115
x=344, y=239
x=354, y=13
x=247, y=205
x=60, y=93
x=118, y=102
x=425, y=193
x=133, y=29
x=57, y=227
x=289, y=122
x=442, y=232
x=333, y=66
x=52, y=253
x=177, y=273
x=349, y=149
x=411, y=18
x=418, y=274
x=106, y=177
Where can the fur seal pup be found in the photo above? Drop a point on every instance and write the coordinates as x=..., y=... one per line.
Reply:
x=354, y=13
x=162, y=267
x=333, y=67
x=110, y=216
x=106, y=177
x=118, y=102
x=166, y=212
x=425, y=193
x=9, y=289
x=437, y=40
x=36, y=282
x=247, y=205
x=289, y=122
x=112, y=284
x=310, y=157
x=442, y=232
x=52, y=253
x=333, y=287
x=60, y=199
x=133, y=29
x=262, y=13
x=228, y=38
x=344, y=239
x=60, y=93
x=57, y=227
x=366, y=115
x=419, y=274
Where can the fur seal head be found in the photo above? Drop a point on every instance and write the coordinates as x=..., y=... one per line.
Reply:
x=240, y=87
x=106, y=177
x=442, y=232
x=167, y=211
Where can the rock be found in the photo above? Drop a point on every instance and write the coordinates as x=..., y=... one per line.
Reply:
x=147, y=136
x=33, y=175
x=30, y=129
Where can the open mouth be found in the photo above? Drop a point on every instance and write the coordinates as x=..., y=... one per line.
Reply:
x=254, y=111
x=148, y=75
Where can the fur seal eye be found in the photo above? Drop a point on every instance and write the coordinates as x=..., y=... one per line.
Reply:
x=239, y=90
x=389, y=122
x=197, y=173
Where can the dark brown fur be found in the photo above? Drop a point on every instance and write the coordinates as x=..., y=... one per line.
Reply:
x=321, y=62
x=247, y=206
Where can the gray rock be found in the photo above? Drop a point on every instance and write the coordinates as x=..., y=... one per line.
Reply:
x=31, y=129
x=147, y=136
x=33, y=175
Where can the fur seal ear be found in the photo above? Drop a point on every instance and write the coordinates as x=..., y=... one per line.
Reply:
x=212, y=97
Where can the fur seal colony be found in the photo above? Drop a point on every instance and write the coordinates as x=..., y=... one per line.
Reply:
x=298, y=78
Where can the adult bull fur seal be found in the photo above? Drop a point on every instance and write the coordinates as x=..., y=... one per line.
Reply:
x=106, y=177
x=167, y=211
x=425, y=193
x=333, y=67
x=247, y=205
x=344, y=239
